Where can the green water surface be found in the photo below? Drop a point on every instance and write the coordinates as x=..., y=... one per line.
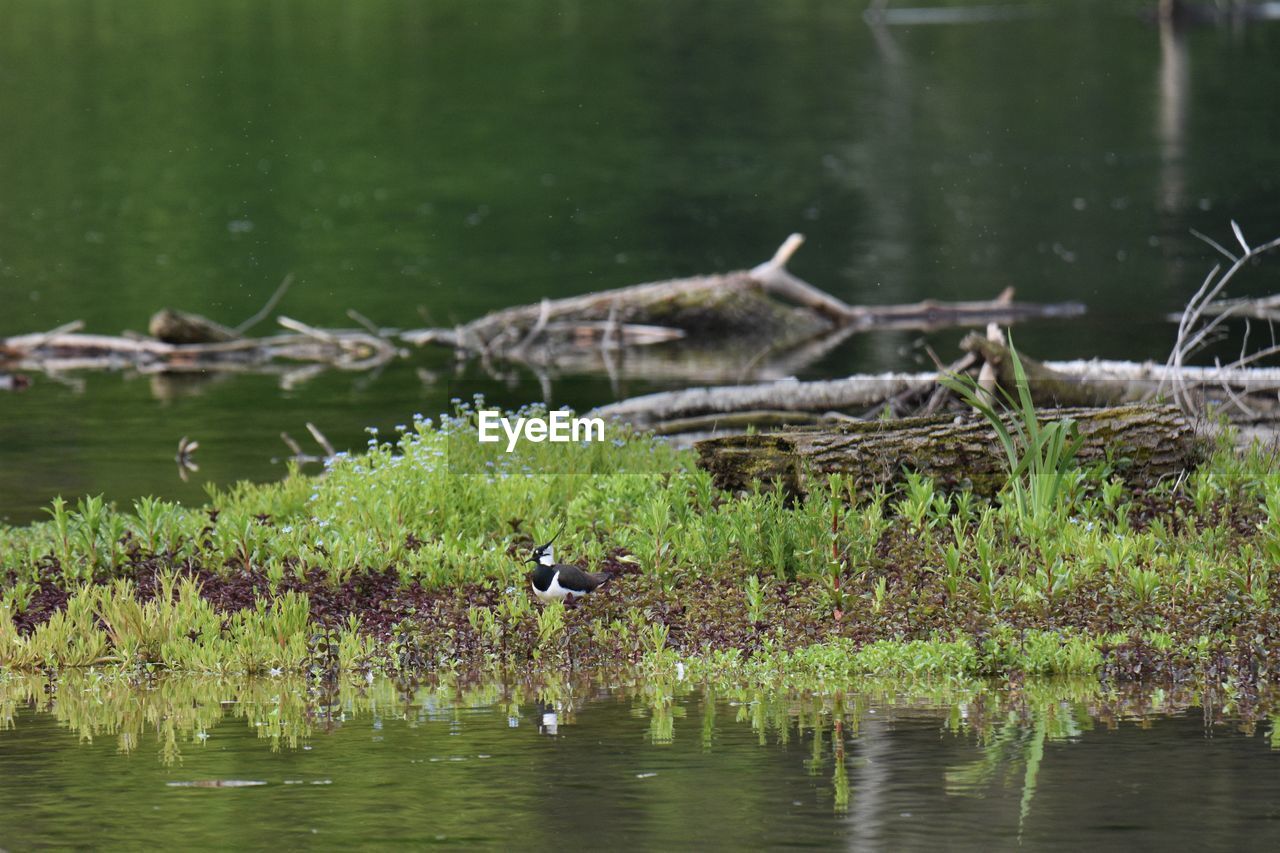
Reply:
x=424, y=161
x=661, y=764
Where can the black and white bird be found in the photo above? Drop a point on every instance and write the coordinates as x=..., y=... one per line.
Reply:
x=555, y=582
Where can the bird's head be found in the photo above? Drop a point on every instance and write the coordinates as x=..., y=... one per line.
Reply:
x=542, y=554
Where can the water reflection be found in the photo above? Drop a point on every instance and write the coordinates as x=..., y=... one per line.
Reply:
x=1171, y=121
x=1009, y=726
x=632, y=146
x=873, y=764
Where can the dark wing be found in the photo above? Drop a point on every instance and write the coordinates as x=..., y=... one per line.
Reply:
x=575, y=579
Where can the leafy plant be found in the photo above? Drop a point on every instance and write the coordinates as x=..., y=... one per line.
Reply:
x=755, y=599
x=1037, y=455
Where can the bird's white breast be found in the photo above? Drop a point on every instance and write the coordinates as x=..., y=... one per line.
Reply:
x=554, y=591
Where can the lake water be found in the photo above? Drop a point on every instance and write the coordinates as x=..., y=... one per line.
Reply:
x=276, y=764
x=424, y=162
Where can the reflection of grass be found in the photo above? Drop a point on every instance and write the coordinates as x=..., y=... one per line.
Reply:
x=172, y=717
x=1034, y=755
x=1013, y=741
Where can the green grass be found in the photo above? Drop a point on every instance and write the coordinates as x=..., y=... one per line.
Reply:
x=176, y=630
x=923, y=581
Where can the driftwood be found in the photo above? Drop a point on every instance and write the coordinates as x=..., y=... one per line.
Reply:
x=68, y=350
x=707, y=404
x=1050, y=387
x=180, y=327
x=757, y=323
x=761, y=321
x=1249, y=395
x=303, y=458
x=1145, y=443
x=188, y=344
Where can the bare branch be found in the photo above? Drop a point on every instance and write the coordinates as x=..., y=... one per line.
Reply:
x=320, y=439
x=1215, y=244
x=268, y=308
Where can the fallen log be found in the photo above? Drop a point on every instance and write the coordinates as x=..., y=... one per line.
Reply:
x=181, y=327
x=60, y=351
x=785, y=396
x=1145, y=443
x=1248, y=395
x=766, y=311
x=712, y=307
x=729, y=407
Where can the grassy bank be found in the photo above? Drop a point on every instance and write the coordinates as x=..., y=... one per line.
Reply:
x=409, y=556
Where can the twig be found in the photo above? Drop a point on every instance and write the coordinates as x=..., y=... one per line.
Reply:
x=320, y=439
x=606, y=340
x=310, y=331
x=34, y=343
x=1194, y=332
x=1215, y=244
x=544, y=314
x=266, y=309
x=290, y=443
x=369, y=326
x=775, y=277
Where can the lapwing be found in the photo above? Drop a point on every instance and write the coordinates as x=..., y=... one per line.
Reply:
x=555, y=582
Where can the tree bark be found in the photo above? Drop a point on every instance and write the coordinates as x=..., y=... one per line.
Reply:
x=181, y=327
x=1145, y=444
x=818, y=397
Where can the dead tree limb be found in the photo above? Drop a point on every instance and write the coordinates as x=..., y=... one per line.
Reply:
x=344, y=349
x=1048, y=387
x=787, y=396
x=728, y=313
x=266, y=309
x=182, y=327
x=1202, y=320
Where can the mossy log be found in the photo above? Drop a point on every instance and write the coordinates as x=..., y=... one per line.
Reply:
x=181, y=327
x=1145, y=443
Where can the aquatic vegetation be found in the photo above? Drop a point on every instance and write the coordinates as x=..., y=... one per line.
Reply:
x=409, y=556
x=176, y=629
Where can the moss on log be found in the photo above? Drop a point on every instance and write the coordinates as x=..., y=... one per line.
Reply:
x=180, y=327
x=1145, y=443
